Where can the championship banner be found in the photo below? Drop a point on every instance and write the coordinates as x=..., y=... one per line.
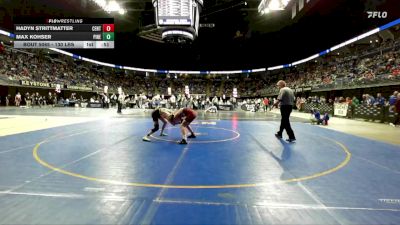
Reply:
x=340, y=109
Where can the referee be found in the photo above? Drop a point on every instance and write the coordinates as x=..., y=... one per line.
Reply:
x=286, y=101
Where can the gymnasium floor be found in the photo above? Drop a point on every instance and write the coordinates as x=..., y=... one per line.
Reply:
x=90, y=166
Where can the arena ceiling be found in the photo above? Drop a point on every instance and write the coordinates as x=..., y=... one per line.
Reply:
x=241, y=38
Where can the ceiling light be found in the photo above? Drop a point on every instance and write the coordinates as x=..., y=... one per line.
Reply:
x=272, y=5
x=101, y=3
x=112, y=6
x=275, y=5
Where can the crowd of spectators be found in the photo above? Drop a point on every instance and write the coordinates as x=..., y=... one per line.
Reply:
x=377, y=64
x=359, y=67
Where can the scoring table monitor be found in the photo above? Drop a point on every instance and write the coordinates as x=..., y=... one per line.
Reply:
x=84, y=33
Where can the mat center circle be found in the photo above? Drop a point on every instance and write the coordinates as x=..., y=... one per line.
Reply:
x=204, y=135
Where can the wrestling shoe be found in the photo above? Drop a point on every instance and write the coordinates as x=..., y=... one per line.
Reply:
x=291, y=139
x=146, y=138
x=192, y=136
x=182, y=142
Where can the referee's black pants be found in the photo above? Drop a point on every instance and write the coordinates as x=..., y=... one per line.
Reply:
x=285, y=123
x=119, y=107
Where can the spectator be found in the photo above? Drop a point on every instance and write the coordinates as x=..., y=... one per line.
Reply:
x=28, y=100
x=379, y=101
x=392, y=101
x=397, y=111
x=369, y=100
x=172, y=101
x=354, y=103
x=265, y=103
x=17, y=99
x=8, y=97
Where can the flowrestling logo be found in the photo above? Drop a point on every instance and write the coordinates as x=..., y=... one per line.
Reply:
x=377, y=14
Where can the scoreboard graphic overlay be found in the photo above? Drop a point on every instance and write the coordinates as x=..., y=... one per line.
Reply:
x=94, y=33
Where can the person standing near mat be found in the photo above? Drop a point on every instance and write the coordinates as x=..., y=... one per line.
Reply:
x=286, y=101
x=163, y=114
x=184, y=116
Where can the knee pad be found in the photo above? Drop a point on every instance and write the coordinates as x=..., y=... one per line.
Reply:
x=156, y=127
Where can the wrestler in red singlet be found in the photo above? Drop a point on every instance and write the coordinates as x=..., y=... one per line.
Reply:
x=185, y=116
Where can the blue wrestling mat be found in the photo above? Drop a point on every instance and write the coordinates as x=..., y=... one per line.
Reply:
x=234, y=172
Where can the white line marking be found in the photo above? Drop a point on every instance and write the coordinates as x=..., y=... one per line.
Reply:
x=65, y=165
x=92, y=189
x=316, y=199
x=209, y=123
x=379, y=165
x=277, y=205
x=268, y=205
x=56, y=195
x=153, y=208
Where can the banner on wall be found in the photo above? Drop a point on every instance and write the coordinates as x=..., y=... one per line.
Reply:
x=36, y=84
x=340, y=109
x=79, y=88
